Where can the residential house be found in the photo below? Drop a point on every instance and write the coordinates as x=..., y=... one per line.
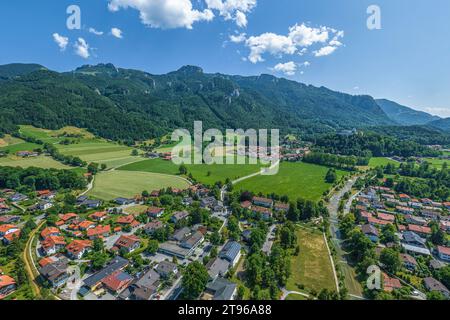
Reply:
x=6, y=229
x=167, y=269
x=154, y=212
x=266, y=213
x=44, y=205
x=280, y=206
x=178, y=216
x=98, y=216
x=46, y=194
x=371, y=232
x=55, y=273
x=129, y=243
x=208, y=202
x=404, y=197
x=7, y=286
x=404, y=210
x=68, y=217
x=386, y=217
x=10, y=237
x=146, y=287
x=390, y=284
x=117, y=281
x=409, y=262
x=431, y=214
x=217, y=267
x=410, y=219
x=86, y=225
x=152, y=226
x=445, y=225
x=434, y=285
x=425, y=231
x=447, y=205
x=123, y=201
x=220, y=289
x=77, y=248
x=443, y=253
x=192, y=241
x=99, y=231
x=378, y=222
x=9, y=219
x=246, y=204
x=50, y=231
x=413, y=239
x=231, y=252
x=93, y=282
x=18, y=197
x=262, y=202
x=52, y=245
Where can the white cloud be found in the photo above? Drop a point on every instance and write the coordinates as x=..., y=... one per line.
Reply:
x=97, y=33
x=272, y=43
x=82, y=48
x=305, y=64
x=238, y=38
x=164, y=14
x=299, y=38
x=116, y=32
x=288, y=68
x=236, y=10
x=61, y=41
x=325, y=51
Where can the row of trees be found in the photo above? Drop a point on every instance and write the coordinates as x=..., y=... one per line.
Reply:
x=337, y=161
x=31, y=179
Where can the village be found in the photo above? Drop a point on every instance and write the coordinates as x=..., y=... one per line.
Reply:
x=130, y=249
x=408, y=235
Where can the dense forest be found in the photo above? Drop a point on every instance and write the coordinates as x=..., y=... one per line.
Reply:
x=123, y=104
x=367, y=144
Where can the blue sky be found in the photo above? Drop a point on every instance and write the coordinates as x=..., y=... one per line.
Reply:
x=319, y=42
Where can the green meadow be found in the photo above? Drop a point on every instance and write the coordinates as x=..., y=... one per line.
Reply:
x=381, y=161
x=312, y=267
x=294, y=179
x=207, y=174
x=113, y=184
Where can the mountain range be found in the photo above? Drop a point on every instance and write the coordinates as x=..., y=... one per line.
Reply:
x=127, y=104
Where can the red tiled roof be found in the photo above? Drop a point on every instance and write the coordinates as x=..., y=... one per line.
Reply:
x=125, y=220
x=386, y=217
x=6, y=227
x=77, y=246
x=53, y=241
x=127, y=241
x=246, y=204
x=50, y=231
x=390, y=283
x=6, y=281
x=86, y=224
x=13, y=235
x=98, y=215
x=419, y=229
x=378, y=221
x=99, y=230
x=444, y=250
x=68, y=216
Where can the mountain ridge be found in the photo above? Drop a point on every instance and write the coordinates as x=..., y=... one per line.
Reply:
x=143, y=105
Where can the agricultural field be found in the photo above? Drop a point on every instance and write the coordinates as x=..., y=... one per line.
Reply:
x=207, y=174
x=296, y=180
x=87, y=147
x=312, y=267
x=39, y=162
x=113, y=184
x=381, y=161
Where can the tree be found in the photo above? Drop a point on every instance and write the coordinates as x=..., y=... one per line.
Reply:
x=388, y=234
x=195, y=278
x=70, y=199
x=391, y=259
x=183, y=169
x=98, y=245
x=92, y=168
x=153, y=246
x=135, y=153
x=99, y=260
x=331, y=176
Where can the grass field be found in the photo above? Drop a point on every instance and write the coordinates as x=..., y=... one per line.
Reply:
x=296, y=297
x=312, y=267
x=381, y=161
x=112, y=184
x=207, y=174
x=136, y=210
x=437, y=163
x=296, y=180
x=88, y=148
x=39, y=162
x=111, y=154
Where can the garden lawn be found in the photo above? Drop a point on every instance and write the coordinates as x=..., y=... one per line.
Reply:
x=294, y=179
x=312, y=267
x=113, y=184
